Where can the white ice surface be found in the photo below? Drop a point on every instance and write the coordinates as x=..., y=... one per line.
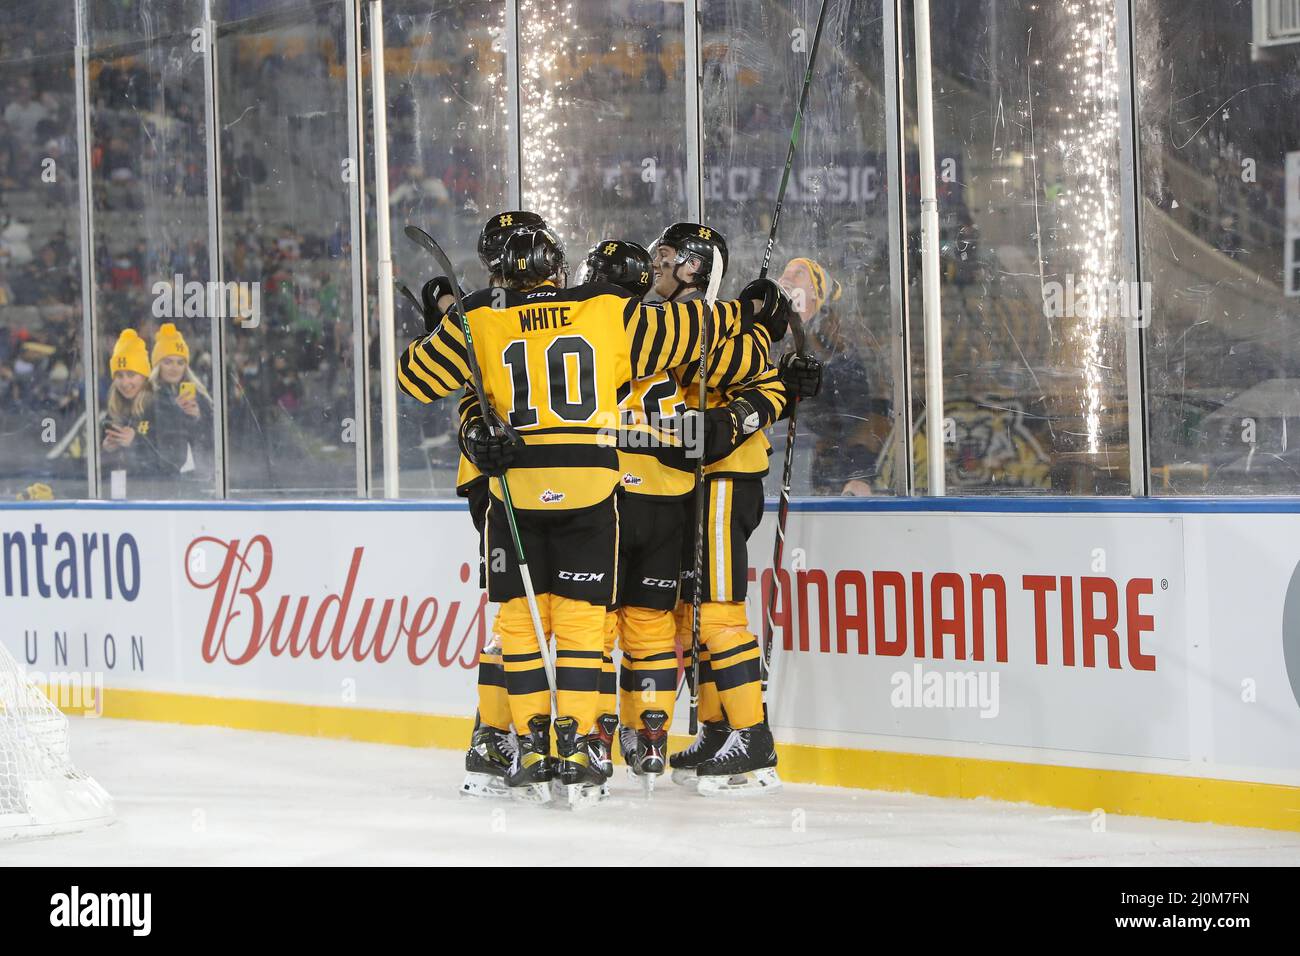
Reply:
x=209, y=796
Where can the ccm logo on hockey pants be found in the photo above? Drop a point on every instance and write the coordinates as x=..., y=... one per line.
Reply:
x=580, y=575
x=550, y=541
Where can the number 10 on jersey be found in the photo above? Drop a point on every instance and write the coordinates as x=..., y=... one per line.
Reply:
x=569, y=392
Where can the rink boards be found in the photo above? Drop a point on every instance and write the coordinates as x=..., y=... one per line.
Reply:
x=1131, y=656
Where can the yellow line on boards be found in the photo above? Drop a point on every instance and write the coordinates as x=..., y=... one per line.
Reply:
x=1233, y=802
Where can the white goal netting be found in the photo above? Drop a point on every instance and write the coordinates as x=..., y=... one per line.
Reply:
x=41, y=792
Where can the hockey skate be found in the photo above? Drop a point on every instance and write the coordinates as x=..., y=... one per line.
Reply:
x=529, y=779
x=649, y=760
x=602, y=743
x=713, y=734
x=491, y=752
x=627, y=744
x=745, y=765
x=578, y=782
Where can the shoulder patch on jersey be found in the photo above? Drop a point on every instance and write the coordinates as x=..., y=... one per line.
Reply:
x=550, y=497
x=631, y=479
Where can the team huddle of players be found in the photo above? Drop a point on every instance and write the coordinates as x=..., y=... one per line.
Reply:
x=594, y=422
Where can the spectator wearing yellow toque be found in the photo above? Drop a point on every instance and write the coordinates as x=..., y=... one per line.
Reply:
x=183, y=425
x=127, y=444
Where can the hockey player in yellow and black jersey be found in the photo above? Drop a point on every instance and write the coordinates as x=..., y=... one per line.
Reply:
x=492, y=744
x=734, y=749
x=625, y=265
x=658, y=475
x=552, y=360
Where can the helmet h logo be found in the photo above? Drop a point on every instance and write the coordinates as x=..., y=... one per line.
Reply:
x=611, y=248
x=706, y=233
x=507, y=220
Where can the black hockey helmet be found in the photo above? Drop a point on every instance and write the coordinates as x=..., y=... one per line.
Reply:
x=495, y=232
x=530, y=257
x=695, y=239
x=618, y=262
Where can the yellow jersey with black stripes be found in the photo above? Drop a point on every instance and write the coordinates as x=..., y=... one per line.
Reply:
x=552, y=361
x=650, y=452
x=761, y=386
x=652, y=460
x=767, y=394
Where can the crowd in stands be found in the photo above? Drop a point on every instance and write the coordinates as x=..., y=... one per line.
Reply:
x=290, y=379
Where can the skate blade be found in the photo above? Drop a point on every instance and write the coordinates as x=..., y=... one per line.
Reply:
x=484, y=786
x=578, y=796
x=685, y=777
x=646, y=781
x=532, y=793
x=739, y=785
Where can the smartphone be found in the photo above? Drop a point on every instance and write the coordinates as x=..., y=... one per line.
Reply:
x=187, y=390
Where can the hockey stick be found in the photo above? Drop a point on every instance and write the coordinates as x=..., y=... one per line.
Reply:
x=427, y=242
x=701, y=490
x=410, y=296
x=800, y=340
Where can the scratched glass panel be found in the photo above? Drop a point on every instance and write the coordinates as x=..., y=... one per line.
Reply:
x=121, y=21
x=149, y=180
x=603, y=118
x=444, y=68
x=286, y=236
x=1220, y=137
x=834, y=221
x=1033, y=297
x=42, y=402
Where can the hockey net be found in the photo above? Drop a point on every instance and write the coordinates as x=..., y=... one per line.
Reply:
x=41, y=792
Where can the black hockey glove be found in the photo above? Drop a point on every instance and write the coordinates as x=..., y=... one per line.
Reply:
x=801, y=374
x=434, y=290
x=492, y=454
x=774, y=314
x=723, y=428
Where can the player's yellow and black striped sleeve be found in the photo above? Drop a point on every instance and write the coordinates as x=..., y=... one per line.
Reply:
x=735, y=362
x=767, y=394
x=468, y=406
x=435, y=365
x=667, y=334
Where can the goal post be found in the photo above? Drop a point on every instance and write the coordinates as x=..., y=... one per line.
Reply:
x=41, y=791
